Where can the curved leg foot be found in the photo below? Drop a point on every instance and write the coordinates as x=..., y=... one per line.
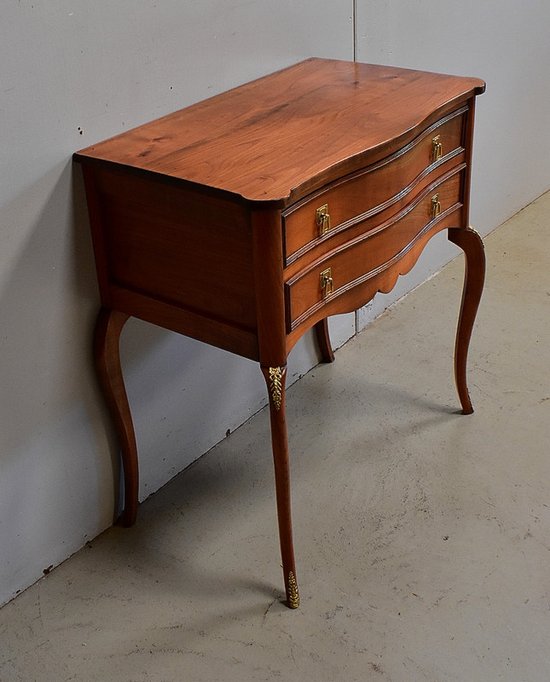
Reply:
x=323, y=341
x=275, y=379
x=470, y=242
x=107, y=359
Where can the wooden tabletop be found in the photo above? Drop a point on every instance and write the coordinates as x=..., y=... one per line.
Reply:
x=280, y=136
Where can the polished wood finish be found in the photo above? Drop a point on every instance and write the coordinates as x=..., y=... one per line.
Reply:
x=323, y=341
x=474, y=276
x=358, y=259
x=107, y=357
x=395, y=180
x=279, y=439
x=205, y=222
x=282, y=136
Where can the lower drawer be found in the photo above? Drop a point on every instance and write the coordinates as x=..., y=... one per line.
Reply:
x=353, y=263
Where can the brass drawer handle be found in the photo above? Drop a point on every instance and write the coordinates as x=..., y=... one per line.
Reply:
x=437, y=148
x=326, y=282
x=322, y=218
x=436, y=206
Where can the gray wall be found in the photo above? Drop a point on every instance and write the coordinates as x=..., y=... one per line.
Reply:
x=506, y=43
x=75, y=72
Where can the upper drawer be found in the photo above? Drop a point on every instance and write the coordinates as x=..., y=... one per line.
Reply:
x=372, y=190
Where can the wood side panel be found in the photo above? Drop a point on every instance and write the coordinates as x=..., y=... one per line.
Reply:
x=214, y=332
x=96, y=227
x=468, y=143
x=170, y=244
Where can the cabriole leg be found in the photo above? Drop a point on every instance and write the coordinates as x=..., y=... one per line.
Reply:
x=107, y=359
x=275, y=378
x=323, y=341
x=472, y=245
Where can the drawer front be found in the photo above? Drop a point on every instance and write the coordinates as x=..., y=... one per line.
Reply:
x=374, y=190
x=355, y=262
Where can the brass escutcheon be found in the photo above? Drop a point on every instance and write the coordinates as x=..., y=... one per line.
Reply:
x=322, y=218
x=326, y=282
x=436, y=206
x=276, y=386
x=437, y=148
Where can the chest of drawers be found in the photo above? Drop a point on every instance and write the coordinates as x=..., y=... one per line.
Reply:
x=247, y=219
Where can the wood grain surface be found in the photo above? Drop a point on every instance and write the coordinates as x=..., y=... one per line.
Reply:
x=328, y=116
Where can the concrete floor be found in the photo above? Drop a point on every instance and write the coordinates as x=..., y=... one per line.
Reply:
x=423, y=536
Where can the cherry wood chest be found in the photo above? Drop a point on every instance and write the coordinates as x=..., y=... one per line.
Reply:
x=247, y=219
